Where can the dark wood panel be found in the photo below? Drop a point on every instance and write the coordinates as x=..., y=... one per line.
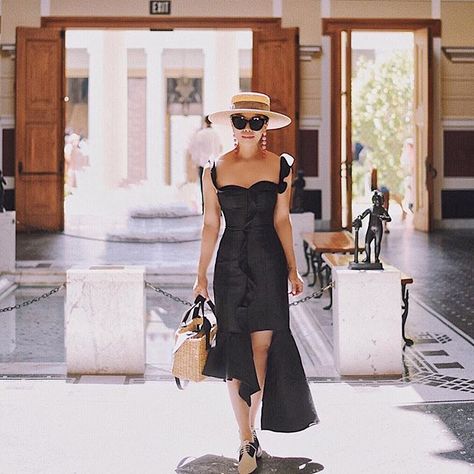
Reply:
x=312, y=202
x=457, y=204
x=9, y=199
x=308, y=151
x=459, y=153
x=8, y=151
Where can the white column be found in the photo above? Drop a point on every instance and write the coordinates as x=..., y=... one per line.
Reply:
x=209, y=99
x=95, y=110
x=226, y=53
x=115, y=105
x=155, y=116
x=222, y=49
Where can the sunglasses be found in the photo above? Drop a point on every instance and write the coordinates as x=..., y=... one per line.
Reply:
x=256, y=123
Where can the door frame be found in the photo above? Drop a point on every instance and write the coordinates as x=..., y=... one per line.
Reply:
x=333, y=27
x=255, y=24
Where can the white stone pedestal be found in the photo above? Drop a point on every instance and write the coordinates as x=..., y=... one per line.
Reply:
x=367, y=321
x=301, y=222
x=7, y=324
x=7, y=241
x=105, y=320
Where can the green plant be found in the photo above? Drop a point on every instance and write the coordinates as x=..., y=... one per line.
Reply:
x=382, y=98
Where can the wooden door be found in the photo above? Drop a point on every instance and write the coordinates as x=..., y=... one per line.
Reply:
x=345, y=144
x=423, y=130
x=341, y=130
x=275, y=73
x=39, y=176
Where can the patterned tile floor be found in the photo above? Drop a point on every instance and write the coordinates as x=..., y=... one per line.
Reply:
x=442, y=264
x=369, y=425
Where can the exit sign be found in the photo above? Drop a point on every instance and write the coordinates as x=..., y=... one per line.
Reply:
x=160, y=7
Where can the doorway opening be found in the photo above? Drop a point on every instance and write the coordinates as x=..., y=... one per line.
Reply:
x=383, y=156
x=135, y=100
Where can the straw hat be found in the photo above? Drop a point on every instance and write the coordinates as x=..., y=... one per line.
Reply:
x=252, y=102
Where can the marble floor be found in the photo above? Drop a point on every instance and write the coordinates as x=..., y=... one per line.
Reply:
x=421, y=421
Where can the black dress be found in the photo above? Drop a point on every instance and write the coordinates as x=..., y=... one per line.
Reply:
x=251, y=294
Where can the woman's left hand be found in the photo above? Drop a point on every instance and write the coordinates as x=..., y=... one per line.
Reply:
x=296, y=282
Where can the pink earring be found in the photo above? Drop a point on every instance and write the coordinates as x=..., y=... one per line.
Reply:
x=264, y=142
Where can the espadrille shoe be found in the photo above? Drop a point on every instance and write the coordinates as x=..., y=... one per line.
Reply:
x=256, y=444
x=247, y=457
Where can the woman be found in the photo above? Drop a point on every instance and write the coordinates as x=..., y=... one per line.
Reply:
x=254, y=346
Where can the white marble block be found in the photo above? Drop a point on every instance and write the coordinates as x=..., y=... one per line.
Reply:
x=301, y=222
x=367, y=321
x=7, y=241
x=105, y=320
x=7, y=323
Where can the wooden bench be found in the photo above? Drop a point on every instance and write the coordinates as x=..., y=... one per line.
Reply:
x=331, y=260
x=317, y=243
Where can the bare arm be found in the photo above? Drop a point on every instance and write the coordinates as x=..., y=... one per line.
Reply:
x=210, y=233
x=281, y=220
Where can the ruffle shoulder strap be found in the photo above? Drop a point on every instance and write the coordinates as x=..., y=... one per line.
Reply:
x=211, y=165
x=286, y=162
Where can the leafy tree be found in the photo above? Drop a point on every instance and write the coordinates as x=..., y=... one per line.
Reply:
x=382, y=101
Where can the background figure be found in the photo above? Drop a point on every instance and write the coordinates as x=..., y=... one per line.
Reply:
x=298, y=192
x=204, y=145
x=74, y=157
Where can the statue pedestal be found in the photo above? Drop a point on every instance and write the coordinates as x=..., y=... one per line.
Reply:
x=7, y=241
x=105, y=320
x=301, y=222
x=367, y=321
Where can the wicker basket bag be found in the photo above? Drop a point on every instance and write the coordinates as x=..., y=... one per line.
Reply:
x=193, y=339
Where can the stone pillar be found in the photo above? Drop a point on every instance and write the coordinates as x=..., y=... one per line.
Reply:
x=8, y=319
x=155, y=116
x=114, y=103
x=367, y=321
x=301, y=222
x=107, y=107
x=96, y=128
x=105, y=320
x=222, y=49
x=7, y=241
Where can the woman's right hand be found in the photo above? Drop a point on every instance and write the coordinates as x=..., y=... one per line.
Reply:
x=200, y=287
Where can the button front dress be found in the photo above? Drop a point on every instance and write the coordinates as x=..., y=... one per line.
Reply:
x=251, y=294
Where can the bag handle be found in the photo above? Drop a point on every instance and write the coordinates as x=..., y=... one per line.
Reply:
x=194, y=310
x=206, y=327
x=206, y=324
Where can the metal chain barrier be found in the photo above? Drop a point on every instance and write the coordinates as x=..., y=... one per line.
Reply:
x=316, y=294
x=33, y=300
x=169, y=295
